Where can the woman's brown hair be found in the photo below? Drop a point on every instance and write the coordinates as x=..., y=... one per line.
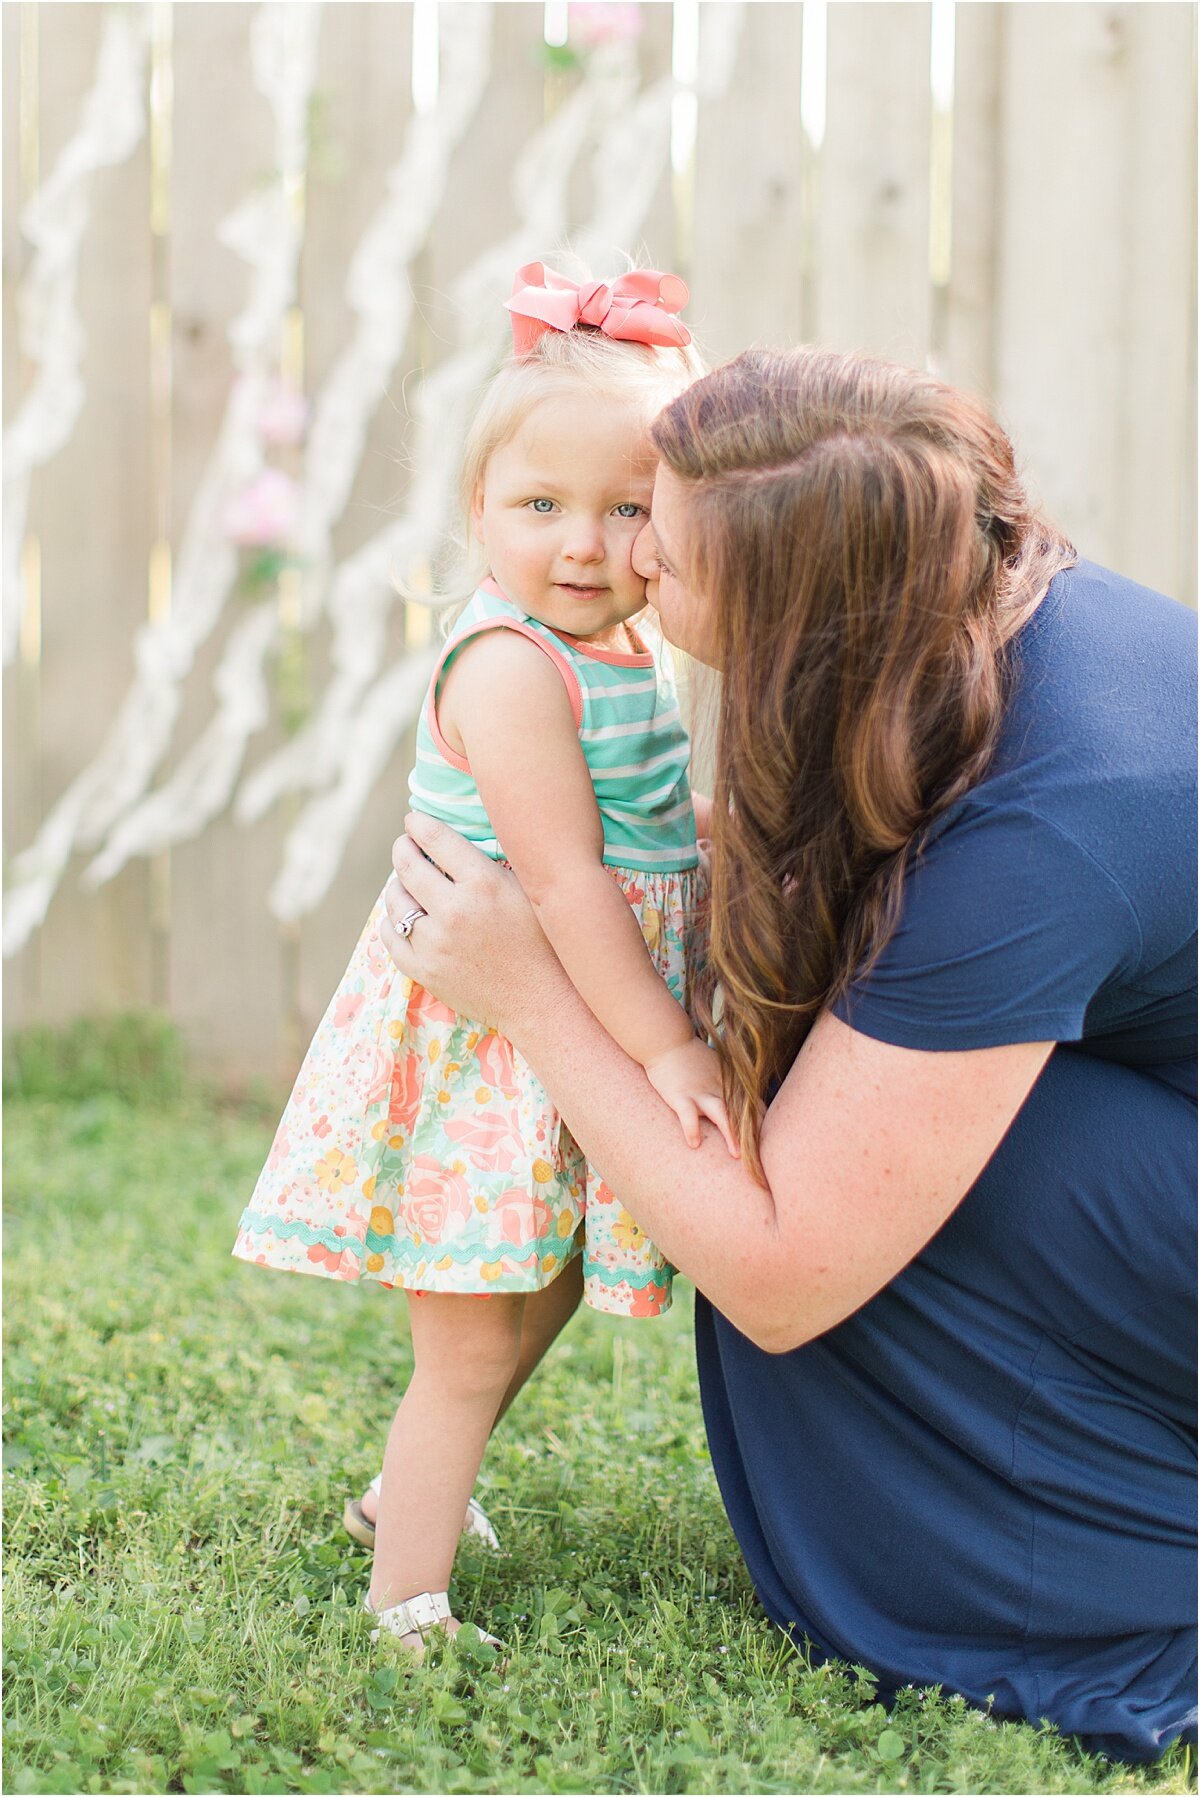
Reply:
x=869, y=550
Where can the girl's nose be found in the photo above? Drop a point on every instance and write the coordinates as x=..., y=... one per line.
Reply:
x=584, y=542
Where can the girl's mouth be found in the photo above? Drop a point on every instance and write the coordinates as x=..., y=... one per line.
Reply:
x=578, y=592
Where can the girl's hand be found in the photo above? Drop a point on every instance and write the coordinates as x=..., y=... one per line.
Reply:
x=689, y=1080
x=479, y=947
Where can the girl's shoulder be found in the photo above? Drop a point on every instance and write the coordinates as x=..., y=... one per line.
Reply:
x=515, y=653
x=486, y=604
x=596, y=677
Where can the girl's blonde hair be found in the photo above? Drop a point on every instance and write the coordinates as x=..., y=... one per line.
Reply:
x=559, y=362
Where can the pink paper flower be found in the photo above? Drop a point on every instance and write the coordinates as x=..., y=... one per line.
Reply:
x=266, y=512
x=283, y=417
x=595, y=22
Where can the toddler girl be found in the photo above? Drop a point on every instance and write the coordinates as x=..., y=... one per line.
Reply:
x=417, y=1148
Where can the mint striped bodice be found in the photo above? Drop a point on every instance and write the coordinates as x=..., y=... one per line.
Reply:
x=630, y=730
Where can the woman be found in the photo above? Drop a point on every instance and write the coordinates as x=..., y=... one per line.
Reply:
x=945, y=1328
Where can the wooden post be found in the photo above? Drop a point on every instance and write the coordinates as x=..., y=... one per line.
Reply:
x=22, y=680
x=91, y=509
x=364, y=86
x=226, y=975
x=748, y=240
x=1154, y=512
x=873, y=232
x=1062, y=243
x=975, y=191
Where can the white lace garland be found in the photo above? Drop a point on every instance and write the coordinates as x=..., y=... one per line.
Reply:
x=380, y=295
x=54, y=221
x=265, y=230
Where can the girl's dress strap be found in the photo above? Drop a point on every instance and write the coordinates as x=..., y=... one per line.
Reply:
x=570, y=678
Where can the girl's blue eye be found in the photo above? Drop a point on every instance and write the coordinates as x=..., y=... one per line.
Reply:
x=628, y=510
x=542, y=506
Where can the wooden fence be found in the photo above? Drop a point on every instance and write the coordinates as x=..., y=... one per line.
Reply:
x=1004, y=192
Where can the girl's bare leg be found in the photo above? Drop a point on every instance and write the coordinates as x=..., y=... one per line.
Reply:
x=546, y=1314
x=465, y=1355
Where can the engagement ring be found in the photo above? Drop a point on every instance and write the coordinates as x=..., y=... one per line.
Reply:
x=405, y=926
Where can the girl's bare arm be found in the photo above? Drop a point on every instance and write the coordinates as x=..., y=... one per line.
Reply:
x=505, y=701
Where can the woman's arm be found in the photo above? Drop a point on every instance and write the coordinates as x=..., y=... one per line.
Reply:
x=867, y=1148
x=505, y=702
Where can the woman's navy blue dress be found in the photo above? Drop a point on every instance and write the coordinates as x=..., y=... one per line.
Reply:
x=985, y=1479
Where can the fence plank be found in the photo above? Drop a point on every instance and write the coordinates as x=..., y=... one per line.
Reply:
x=16, y=253
x=227, y=991
x=362, y=107
x=364, y=83
x=479, y=208
x=1061, y=252
x=749, y=249
x=22, y=782
x=970, y=321
x=90, y=507
x=873, y=286
x=657, y=244
x=1154, y=513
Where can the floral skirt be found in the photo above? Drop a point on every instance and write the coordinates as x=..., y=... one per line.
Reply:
x=419, y=1149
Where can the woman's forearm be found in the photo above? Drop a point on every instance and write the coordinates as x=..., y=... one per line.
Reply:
x=702, y=1208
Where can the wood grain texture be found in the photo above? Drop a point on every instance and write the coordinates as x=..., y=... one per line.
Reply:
x=90, y=509
x=975, y=179
x=873, y=285
x=748, y=248
x=1063, y=235
x=364, y=84
x=226, y=974
x=1154, y=513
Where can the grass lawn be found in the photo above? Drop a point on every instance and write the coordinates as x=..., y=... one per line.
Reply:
x=182, y=1607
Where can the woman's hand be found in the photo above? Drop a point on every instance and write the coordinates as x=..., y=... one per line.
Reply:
x=479, y=947
x=688, y=1078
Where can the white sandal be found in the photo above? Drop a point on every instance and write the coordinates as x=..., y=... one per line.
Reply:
x=419, y=1616
x=360, y=1528
x=477, y=1525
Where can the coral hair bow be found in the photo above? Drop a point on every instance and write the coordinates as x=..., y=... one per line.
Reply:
x=636, y=308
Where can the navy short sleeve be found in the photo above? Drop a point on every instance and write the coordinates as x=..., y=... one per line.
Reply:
x=1009, y=931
